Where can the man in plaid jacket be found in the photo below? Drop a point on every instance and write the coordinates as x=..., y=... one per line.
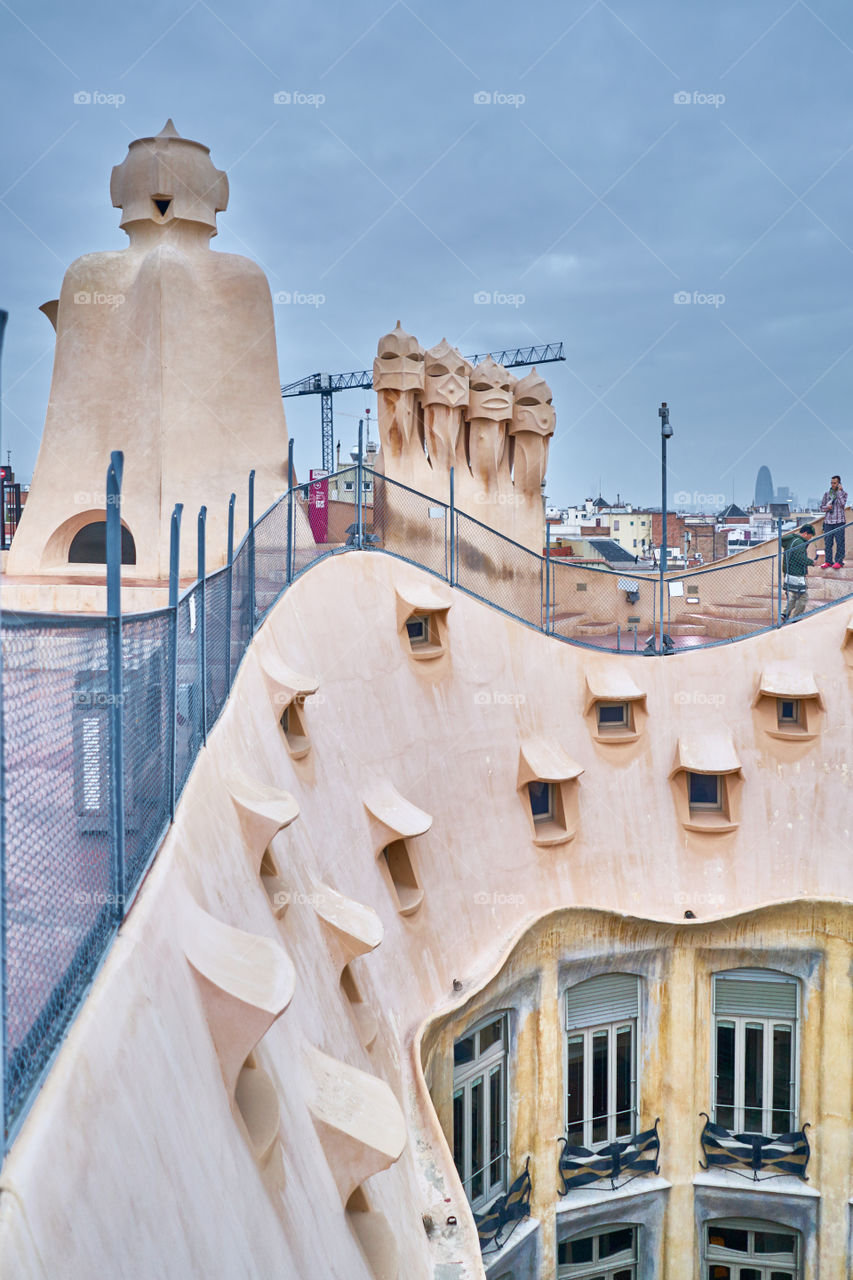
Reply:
x=832, y=505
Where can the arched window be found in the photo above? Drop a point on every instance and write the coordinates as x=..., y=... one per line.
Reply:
x=747, y=1249
x=607, y=1254
x=89, y=545
x=755, y=1051
x=480, y=1136
x=601, y=1059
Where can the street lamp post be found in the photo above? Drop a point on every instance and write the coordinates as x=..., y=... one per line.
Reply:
x=665, y=433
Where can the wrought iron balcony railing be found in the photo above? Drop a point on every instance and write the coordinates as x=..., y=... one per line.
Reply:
x=634, y=1156
x=508, y=1209
x=754, y=1156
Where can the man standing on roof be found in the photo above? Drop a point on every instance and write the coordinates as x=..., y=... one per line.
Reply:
x=832, y=505
x=795, y=564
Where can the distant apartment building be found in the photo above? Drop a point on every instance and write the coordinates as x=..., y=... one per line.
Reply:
x=625, y=524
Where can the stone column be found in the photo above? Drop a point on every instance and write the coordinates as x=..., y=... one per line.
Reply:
x=830, y=1166
x=675, y=1079
x=541, y=1113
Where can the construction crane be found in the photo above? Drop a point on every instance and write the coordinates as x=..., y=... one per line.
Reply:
x=325, y=385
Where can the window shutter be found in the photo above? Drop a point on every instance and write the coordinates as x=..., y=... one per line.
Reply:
x=755, y=993
x=604, y=999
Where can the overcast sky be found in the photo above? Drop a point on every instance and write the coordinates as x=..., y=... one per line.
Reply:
x=628, y=153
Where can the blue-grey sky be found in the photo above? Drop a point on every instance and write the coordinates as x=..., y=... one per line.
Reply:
x=619, y=155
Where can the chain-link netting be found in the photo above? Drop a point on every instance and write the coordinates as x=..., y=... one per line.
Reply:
x=241, y=604
x=612, y=608
x=146, y=725
x=827, y=578
x=217, y=639
x=602, y=607
x=325, y=516
x=498, y=570
x=408, y=524
x=188, y=709
x=722, y=602
x=60, y=891
x=270, y=558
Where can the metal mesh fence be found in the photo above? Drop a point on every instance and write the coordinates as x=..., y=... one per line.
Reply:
x=325, y=517
x=217, y=641
x=722, y=602
x=495, y=569
x=602, y=607
x=59, y=898
x=241, y=604
x=188, y=708
x=827, y=578
x=146, y=707
x=270, y=558
x=408, y=524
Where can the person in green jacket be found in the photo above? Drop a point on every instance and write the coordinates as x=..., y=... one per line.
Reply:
x=795, y=566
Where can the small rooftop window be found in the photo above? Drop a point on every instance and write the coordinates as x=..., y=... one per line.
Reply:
x=705, y=790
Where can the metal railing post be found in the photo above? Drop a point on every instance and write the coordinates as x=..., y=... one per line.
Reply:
x=779, y=571
x=359, y=524
x=115, y=677
x=288, y=574
x=229, y=590
x=202, y=622
x=452, y=517
x=547, y=578
x=174, y=588
x=252, y=552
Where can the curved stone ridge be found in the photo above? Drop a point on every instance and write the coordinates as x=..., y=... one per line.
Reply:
x=357, y=1117
x=246, y=981
x=263, y=810
x=399, y=815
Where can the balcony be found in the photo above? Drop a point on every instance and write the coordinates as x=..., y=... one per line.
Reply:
x=509, y=1208
x=754, y=1156
x=633, y=1156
